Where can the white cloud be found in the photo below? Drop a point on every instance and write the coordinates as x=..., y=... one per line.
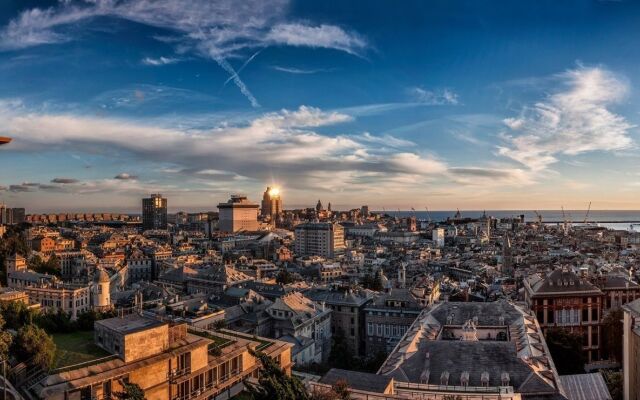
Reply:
x=298, y=71
x=571, y=121
x=434, y=97
x=219, y=30
x=323, y=36
x=156, y=62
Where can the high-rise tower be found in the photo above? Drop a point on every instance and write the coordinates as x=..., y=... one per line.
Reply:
x=154, y=212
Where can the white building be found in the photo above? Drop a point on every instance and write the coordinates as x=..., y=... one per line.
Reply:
x=322, y=239
x=438, y=237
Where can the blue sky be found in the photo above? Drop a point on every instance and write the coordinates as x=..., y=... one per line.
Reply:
x=449, y=104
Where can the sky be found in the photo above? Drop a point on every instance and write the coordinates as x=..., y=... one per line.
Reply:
x=441, y=104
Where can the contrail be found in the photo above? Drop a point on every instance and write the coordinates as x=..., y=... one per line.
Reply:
x=242, y=67
x=236, y=79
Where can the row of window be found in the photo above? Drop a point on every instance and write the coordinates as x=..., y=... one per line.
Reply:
x=386, y=330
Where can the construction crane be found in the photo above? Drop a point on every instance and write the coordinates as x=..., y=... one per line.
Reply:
x=587, y=214
x=567, y=221
x=538, y=215
x=428, y=213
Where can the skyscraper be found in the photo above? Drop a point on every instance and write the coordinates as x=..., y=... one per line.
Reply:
x=154, y=212
x=271, y=203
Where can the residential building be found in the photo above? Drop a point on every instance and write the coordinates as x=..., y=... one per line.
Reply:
x=347, y=314
x=568, y=301
x=324, y=239
x=631, y=351
x=387, y=319
x=238, y=214
x=154, y=212
x=304, y=323
x=167, y=361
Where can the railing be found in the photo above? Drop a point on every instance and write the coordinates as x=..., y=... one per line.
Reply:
x=84, y=364
x=212, y=386
x=453, y=388
x=176, y=373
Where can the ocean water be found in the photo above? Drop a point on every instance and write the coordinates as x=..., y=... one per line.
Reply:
x=612, y=219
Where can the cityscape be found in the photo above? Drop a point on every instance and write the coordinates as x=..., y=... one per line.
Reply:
x=277, y=199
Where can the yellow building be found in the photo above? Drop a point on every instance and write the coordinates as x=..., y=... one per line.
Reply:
x=168, y=362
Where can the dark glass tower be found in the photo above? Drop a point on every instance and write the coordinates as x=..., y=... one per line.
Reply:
x=154, y=212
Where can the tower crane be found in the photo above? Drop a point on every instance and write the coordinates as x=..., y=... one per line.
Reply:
x=428, y=213
x=587, y=214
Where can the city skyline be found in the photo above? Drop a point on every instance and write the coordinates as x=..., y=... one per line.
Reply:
x=469, y=105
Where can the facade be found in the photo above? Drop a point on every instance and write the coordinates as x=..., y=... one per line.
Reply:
x=271, y=204
x=238, y=214
x=387, y=319
x=438, y=237
x=11, y=216
x=563, y=299
x=305, y=324
x=154, y=212
x=631, y=351
x=167, y=361
x=322, y=239
x=347, y=314
x=486, y=351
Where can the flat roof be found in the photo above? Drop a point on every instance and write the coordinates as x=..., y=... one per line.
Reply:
x=130, y=323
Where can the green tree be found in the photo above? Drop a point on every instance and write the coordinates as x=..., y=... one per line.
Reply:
x=51, y=266
x=16, y=314
x=5, y=341
x=274, y=383
x=613, y=331
x=377, y=282
x=56, y=322
x=614, y=381
x=34, y=346
x=340, y=355
x=284, y=277
x=566, y=350
x=130, y=391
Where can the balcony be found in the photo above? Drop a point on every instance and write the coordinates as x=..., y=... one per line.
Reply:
x=205, y=391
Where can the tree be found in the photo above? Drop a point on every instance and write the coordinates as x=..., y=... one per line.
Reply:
x=16, y=314
x=131, y=391
x=274, y=383
x=566, y=350
x=377, y=282
x=613, y=331
x=51, y=266
x=614, y=381
x=341, y=356
x=339, y=391
x=284, y=277
x=34, y=346
x=5, y=341
x=56, y=322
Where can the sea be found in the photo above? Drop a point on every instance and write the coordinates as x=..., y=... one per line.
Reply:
x=612, y=219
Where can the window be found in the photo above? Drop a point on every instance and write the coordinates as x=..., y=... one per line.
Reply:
x=369, y=329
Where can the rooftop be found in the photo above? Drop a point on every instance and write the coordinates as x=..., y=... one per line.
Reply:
x=130, y=323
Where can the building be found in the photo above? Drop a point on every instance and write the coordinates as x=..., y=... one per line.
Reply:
x=347, y=314
x=101, y=291
x=486, y=351
x=387, y=319
x=438, y=237
x=11, y=216
x=631, y=351
x=323, y=239
x=565, y=300
x=154, y=212
x=168, y=361
x=238, y=214
x=305, y=324
x=271, y=204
